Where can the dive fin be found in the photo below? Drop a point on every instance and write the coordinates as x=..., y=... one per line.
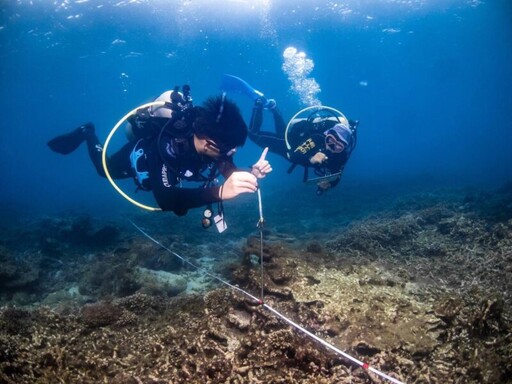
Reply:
x=233, y=83
x=67, y=143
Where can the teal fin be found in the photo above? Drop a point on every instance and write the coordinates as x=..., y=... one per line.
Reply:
x=67, y=143
x=233, y=83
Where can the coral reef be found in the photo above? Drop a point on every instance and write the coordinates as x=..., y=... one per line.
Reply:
x=420, y=291
x=16, y=273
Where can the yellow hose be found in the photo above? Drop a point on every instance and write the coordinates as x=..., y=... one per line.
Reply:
x=104, y=155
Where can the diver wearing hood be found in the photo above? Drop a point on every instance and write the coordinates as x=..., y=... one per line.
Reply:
x=177, y=143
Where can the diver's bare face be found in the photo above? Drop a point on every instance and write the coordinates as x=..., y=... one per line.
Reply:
x=207, y=147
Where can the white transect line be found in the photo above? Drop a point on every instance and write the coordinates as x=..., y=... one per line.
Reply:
x=332, y=347
x=298, y=327
x=193, y=265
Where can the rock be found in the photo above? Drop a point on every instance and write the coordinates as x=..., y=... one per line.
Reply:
x=161, y=282
x=365, y=349
x=239, y=319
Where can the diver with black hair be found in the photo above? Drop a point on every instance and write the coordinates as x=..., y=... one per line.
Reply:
x=175, y=143
x=324, y=141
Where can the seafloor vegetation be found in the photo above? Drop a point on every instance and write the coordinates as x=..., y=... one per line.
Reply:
x=419, y=289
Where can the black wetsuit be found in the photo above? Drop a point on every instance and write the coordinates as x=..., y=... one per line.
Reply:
x=182, y=163
x=310, y=144
x=273, y=140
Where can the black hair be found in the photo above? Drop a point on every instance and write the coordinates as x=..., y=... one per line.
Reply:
x=220, y=120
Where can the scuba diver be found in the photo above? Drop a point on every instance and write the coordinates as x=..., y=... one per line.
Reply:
x=323, y=140
x=175, y=143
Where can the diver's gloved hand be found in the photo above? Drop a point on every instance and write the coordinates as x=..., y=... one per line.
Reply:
x=262, y=166
x=239, y=182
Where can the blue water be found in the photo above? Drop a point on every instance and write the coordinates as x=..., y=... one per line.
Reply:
x=430, y=82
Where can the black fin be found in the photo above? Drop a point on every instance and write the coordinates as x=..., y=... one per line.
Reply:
x=67, y=143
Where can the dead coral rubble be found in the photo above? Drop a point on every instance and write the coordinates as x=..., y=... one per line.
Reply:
x=421, y=292
x=446, y=245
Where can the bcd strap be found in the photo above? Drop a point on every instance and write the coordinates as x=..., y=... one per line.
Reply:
x=291, y=168
x=140, y=167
